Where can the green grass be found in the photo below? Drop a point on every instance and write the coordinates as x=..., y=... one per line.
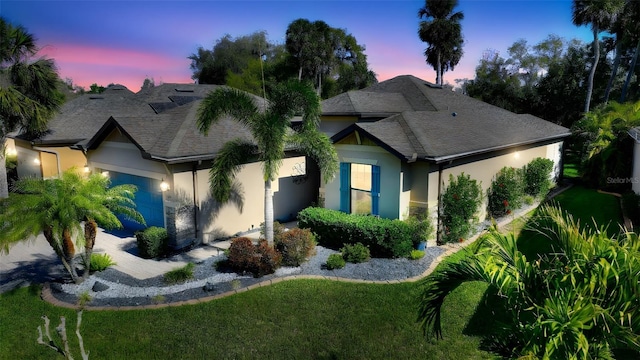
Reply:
x=179, y=275
x=301, y=319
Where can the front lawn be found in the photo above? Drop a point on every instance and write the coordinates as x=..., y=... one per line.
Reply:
x=301, y=319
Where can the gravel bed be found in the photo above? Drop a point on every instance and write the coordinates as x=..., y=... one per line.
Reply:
x=124, y=290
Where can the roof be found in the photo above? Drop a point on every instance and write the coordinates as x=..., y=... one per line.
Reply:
x=160, y=121
x=436, y=123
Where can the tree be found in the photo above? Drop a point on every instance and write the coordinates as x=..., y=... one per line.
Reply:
x=600, y=15
x=58, y=207
x=270, y=127
x=29, y=94
x=442, y=30
x=576, y=301
x=606, y=150
x=323, y=53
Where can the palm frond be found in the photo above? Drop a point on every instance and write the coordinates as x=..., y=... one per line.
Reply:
x=226, y=165
x=226, y=102
x=318, y=146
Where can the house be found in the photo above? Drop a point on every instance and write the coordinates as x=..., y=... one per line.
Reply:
x=635, y=174
x=150, y=139
x=399, y=140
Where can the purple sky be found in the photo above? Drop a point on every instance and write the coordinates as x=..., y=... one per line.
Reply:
x=98, y=41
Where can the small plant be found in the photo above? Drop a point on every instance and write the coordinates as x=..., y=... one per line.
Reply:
x=83, y=299
x=416, y=254
x=158, y=299
x=100, y=262
x=278, y=230
x=268, y=259
x=259, y=260
x=335, y=261
x=235, y=284
x=356, y=253
x=179, y=275
x=420, y=221
x=295, y=245
x=152, y=242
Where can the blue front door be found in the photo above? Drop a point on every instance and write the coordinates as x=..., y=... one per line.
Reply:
x=148, y=199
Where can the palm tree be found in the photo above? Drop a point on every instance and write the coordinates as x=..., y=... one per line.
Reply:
x=600, y=15
x=443, y=32
x=577, y=301
x=28, y=89
x=271, y=131
x=58, y=207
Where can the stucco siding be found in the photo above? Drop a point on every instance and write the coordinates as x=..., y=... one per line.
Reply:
x=390, y=177
x=332, y=125
x=125, y=158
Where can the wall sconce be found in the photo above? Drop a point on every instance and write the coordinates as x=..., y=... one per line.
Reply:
x=12, y=151
x=164, y=186
x=86, y=168
x=105, y=173
x=516, y=154
x=36, y=161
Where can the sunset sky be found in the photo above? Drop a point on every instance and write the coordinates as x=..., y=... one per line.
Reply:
x=103, y=42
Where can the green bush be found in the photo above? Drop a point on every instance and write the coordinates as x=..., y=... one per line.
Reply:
x=100, y=262
x=244, y=256
x=356, y=253
x=335, y=261
x=416, y=254
x=421, y=224
x=295, y=245
x=153, y=242
x=460, y=203
x=536, y=176
x=179, y=275
x=384, y=237
x=506, y=192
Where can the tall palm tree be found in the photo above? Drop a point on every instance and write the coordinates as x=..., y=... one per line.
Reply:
x=58, y=207
x=577, y=301
x=443, y=32
x=600, y=15
x=28, y=89
x=272, y=133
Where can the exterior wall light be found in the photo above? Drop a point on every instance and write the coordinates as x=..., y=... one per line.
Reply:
x=164, y=186
x=36, y=161
x=86, y=168
x=516, y=154
x=12, y=151
x=105, y=173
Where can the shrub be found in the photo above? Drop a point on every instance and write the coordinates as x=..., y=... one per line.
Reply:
x=536, y=177
x=259, y=260
x=333, y=229
x=421, y=224
x=460, y=203
x=356, y=253
x=631, y=206
x=179, y=275
x=335, y=261
x=506, y=192
x=152, y=242
x=295, y=245
x=416, y=254
x=99, y=262
x=278, y=230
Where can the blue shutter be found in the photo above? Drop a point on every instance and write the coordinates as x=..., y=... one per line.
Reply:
x=375, y=190
x=345, y=187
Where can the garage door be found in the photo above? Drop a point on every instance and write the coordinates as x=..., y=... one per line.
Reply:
x=148, y=199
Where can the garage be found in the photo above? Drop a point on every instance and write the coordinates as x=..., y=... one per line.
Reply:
x=148, y=199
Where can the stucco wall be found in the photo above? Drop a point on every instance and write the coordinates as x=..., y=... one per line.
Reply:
x=27, y=165
x=390, y=178
x=292, y=191
x=331, y=125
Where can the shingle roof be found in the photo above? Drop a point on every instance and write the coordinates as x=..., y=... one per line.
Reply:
x=456, y=125
x=161, y=121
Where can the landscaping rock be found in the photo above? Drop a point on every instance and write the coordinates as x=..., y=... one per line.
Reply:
x=209, y=287
x=98, y=287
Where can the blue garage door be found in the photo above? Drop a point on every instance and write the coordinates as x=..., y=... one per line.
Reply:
x=148, y=199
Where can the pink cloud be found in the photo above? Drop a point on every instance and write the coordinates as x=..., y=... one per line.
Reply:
x=86, y=65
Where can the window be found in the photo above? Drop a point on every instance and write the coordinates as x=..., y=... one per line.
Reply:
x=359, y=188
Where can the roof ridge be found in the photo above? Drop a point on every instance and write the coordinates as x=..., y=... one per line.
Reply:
x=414, y=81
x=413, y=139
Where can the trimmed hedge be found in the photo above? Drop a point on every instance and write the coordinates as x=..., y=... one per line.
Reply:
x=384, y=237
x=152, y=242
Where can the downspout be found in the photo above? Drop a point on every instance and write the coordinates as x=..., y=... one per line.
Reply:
x=194, y=177
x=438, y=222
